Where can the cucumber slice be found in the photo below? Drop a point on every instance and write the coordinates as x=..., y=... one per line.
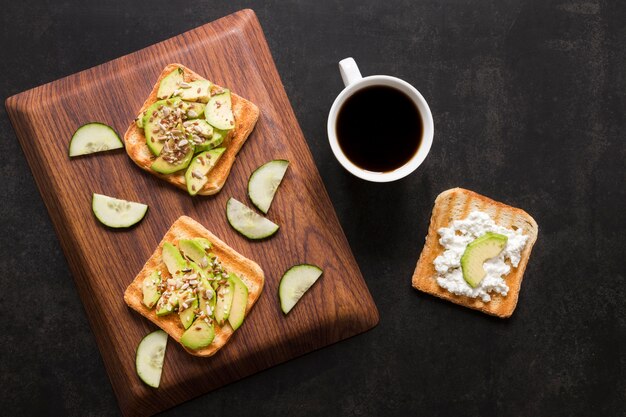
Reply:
x=264, y=182
x=294, y=283
x=247, y=222
x=94, y=137
x=149, y=359
x=117, y=213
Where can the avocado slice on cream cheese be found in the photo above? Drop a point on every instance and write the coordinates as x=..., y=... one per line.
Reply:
x=477, y=252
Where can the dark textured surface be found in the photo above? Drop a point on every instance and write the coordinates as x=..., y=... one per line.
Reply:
x=529, y=103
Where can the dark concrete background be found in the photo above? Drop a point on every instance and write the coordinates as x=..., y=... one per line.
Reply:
x=529, y=104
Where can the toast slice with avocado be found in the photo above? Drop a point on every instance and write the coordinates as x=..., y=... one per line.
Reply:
x=245, y=115
x=246, y=271
x=456, y=204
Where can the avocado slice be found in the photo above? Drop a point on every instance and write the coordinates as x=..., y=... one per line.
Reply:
x=199, y=335
x=224, y=301
x=172, y=259
x=214, y=141
x=206, y=293
x=205, y=243
x=240, y=302
x=150, y=289
x=198, y=90
x=197, y=172
x=156, y=142
x=477, y=252
x=170, y=83
x=154, y=107
x=194, y=110
x=150, y=121
x=187, y=315
x=199, y=132
x=167, y=303
x=149, y=112
x=206, y=296
x=219, y=111
x=162, y=166
x=193, y=250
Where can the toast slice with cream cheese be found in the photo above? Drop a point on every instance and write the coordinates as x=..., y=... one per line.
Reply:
x=457, y=204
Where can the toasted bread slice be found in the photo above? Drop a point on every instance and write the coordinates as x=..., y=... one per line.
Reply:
x=456, y=204
x=246, y=115
x=248, y=271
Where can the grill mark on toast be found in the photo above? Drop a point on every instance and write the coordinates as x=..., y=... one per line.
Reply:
x=448, y=209
x=496, y=216
x=440, y=212
x=466, y=207
x=480, y=205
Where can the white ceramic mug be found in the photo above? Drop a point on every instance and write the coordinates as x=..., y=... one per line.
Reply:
x=354, y=82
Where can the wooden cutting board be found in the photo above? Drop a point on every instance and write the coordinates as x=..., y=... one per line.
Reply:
x=231, y=52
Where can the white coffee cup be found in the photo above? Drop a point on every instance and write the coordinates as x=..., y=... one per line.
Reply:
x=354, y=82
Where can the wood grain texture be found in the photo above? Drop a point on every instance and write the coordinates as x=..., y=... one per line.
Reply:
x=104, y=262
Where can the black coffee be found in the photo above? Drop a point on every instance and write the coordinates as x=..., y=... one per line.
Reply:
x=379, y=128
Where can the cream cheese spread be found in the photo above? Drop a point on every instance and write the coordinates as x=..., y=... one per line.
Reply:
x=455, y=239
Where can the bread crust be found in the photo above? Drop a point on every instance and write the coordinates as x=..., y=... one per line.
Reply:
x=248, y=271
x=456, y=204
x=246, y=115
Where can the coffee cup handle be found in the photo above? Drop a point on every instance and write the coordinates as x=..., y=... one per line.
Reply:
x=349, y=71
